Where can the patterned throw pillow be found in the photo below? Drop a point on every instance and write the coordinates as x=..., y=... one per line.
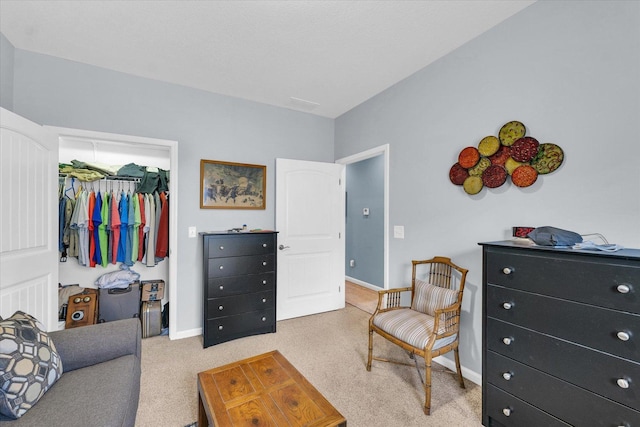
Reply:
x=29, y=364
x=429, y=298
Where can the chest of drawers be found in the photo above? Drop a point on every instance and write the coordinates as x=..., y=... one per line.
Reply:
x=561, y=337
x=239, y=275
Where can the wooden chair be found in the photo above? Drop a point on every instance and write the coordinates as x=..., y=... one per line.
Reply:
x=430, y=325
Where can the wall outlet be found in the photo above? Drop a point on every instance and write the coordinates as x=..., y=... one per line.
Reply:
x=192, y=232
x=365, y=211
x=352, y=263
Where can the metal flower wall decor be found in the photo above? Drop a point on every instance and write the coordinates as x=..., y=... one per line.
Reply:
x=511, y=154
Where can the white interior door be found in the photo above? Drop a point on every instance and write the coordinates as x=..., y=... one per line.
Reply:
x=310, y=220
x=28, y=219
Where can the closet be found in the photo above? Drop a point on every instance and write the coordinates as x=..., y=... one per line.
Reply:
x=117, y=150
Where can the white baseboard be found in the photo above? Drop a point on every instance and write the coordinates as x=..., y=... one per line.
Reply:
x=186, y=334
x=361, y=283
x=468, y=374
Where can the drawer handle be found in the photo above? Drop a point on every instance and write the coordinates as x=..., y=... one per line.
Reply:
x=507, y=340
x=264, y=300
x=622, y=383
x=506, y=412
x=623, y=336
x=507, y=376
x=221, y=287
x=220, y=308
x=220, y=327
x=222, y=248
x=264, y=262
x=264, y=245
x=264, y=319
x=221, y=267
x=507, y=305
x=507, y=270
x=624, y=289
x=264, y=282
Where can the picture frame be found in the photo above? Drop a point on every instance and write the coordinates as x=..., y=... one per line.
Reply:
x=227, y=185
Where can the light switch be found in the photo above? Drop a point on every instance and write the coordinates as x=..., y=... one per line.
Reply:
x=192, y=232
x=398, y=231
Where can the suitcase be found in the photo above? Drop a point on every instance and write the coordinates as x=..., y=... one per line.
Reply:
x=116, y=304
x=151, y=318
x=152, y=290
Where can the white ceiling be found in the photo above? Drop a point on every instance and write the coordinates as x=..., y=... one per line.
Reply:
x=322, y=57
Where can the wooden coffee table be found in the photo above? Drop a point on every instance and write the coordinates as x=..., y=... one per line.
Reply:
x=264, y=390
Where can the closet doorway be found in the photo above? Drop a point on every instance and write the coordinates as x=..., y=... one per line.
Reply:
x=114, y=149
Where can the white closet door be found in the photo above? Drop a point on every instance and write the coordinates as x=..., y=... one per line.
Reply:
x=28, y=219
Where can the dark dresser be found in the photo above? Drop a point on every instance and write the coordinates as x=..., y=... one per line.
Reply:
x=239, y=285
x=561, y=336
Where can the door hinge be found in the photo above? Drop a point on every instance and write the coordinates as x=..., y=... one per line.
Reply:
x=339, y=235
x=339, y=289
x=339, y=181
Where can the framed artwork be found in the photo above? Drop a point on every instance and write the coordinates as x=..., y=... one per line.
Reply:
x=225, y=185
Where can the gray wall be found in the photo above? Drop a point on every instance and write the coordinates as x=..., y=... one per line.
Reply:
x=568, y=70
x=7, y=52
x=57, y=92
x=365, y=234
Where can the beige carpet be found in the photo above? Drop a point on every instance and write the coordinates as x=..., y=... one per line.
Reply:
x=330, y=350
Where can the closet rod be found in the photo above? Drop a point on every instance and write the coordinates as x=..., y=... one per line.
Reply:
x=106, y=178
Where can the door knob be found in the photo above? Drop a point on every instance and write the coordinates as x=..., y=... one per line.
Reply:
x=283, y=247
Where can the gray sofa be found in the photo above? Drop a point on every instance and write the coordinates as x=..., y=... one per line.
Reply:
x=100, y=383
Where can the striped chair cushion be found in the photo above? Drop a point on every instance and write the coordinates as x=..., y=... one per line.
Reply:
x=410, y=326
x=429, y=298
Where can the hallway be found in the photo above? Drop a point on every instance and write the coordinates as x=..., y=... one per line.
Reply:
x=364, y=298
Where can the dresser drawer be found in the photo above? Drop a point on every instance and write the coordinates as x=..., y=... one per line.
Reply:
x=241, y=244
x=509, y=411
x=226, y=286
x=584, y=367
x=235, y=266
x=228, y=328
x=598, y=281
x=237, y=304
x=577, y=406
x=590, y=326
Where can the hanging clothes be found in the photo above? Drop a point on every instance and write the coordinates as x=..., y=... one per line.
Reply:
x=162, y=245
x=97, y=221
x=83, y=228
x=158, y=204
x=74, y=228
x=115, y=228
x=65, y=211
x=92, y=241
x=141, y=228
x=100, y=226
x=131, y=219
x=73, y=249
x=151, y=234
x=102, y=231
x=134, y=226
x=123, y=210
